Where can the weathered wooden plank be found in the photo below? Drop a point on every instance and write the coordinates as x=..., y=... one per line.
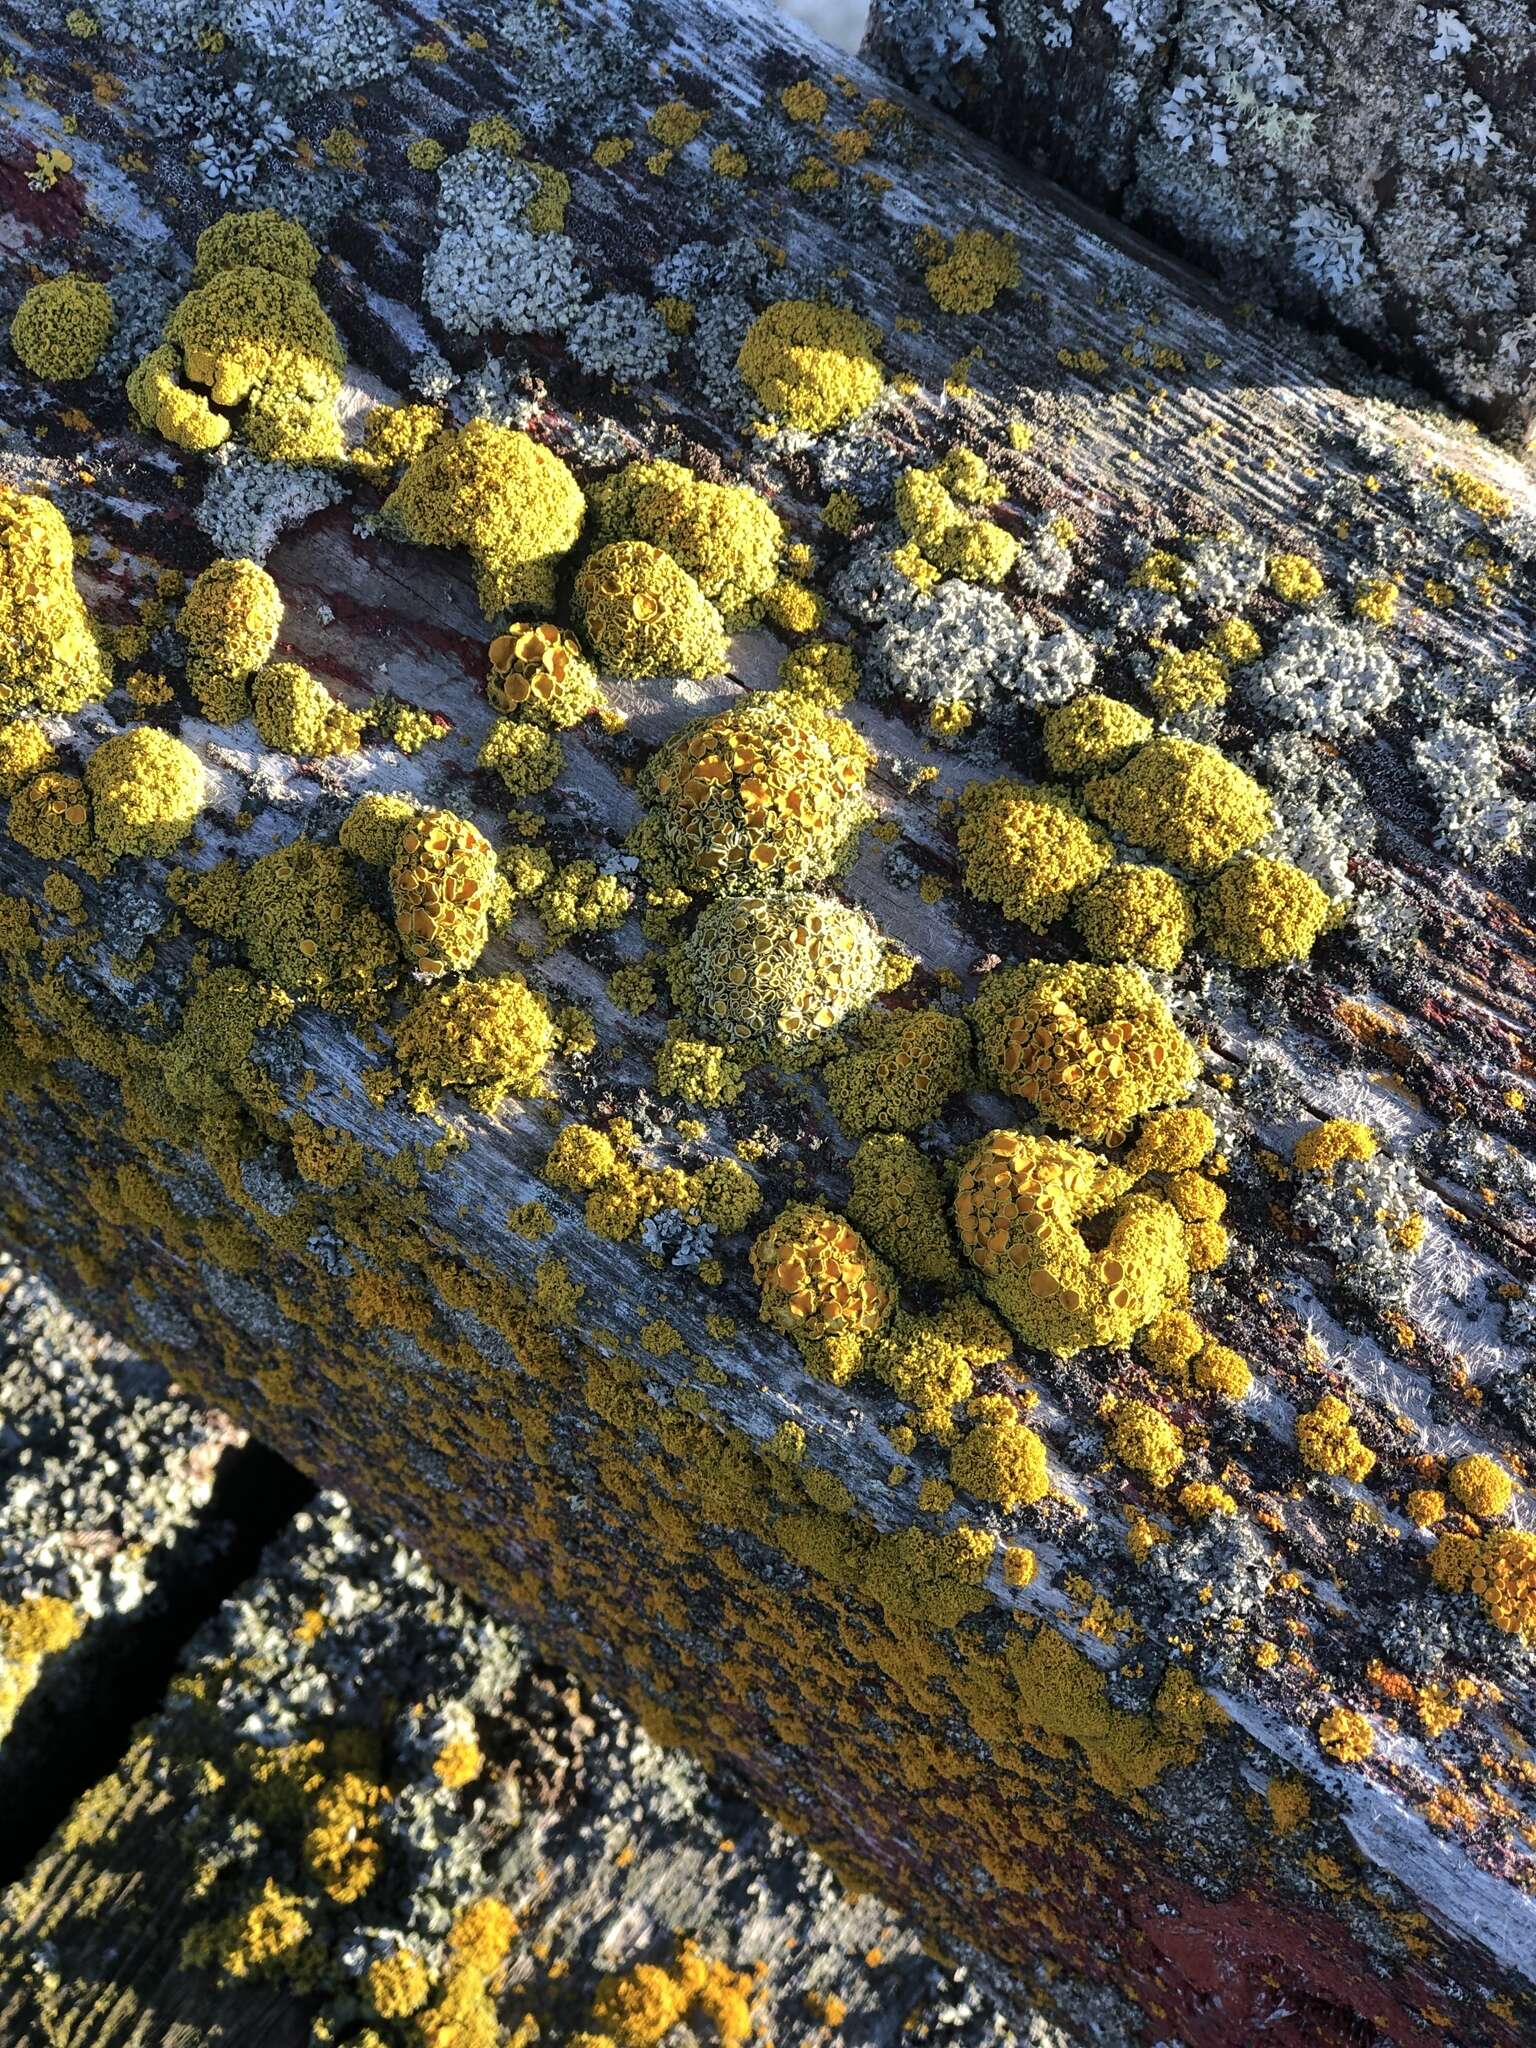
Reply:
x=1370, y=168
x=509, y=1793
x=591, y=1435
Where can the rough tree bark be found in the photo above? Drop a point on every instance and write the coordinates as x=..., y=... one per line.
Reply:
x=1114, y=1764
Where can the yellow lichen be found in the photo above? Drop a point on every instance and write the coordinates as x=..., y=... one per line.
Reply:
x=230, y=620
x=726, y=536
x=502, y=495
x=539, y=671
x=62, y=326
x=1028, y=848
x=1001, y=1460
x=1138, y=914
x=822, y=1285
x=781, y=969
x=297, y=714
x=442, y=883
x=967, y=274
x=1328, y=1144
x=482, y=1039
x=305, y=926
x=766, y=794
x=1329, y=1442
x=1499, y=1566
x=903, y=1065
x=1185, y=802
x=1346, y=1736
x=812, y=367
x=146, y=790
x=49, y=658
x=1481, y=1486
x=644, y=615
x=1145, y=1440
x=1261, y=913
x=1092, y=732
x=1089, y=1048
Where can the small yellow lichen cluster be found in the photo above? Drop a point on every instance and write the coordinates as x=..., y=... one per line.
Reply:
x=782, y=969
x=527, y=757
x=1330, y=1443
x=822, y=1285
x=1499, y=1566
x=51, y=817
x=1296, y=579
x=641, y=2007
x=49, y=657
x=230, y=620
x=767, y=794
x=502, y=495
x=1481, y=1486
x=967, y=274
x=726, y=536
x=62, y=326
x=1260, y=913
x=442, y=883
x=1176, y=1347
x=811, y=367
x=1028, y=848
x=483, y=1039
x=1089, y=1048
x=1328, y=1144
x=1020, y=1204
x=305, y=926
x=902, y=1068
x=930, y=504
x=1000, y=1459
x=539, y=671
x=1143, y=1438
x=25, y=751
x=1136, y=913
x=1188, y=679
x=250, y=333
x=1184, y=802
x=146, y=791
x=393, y=437
x=644, y=615
x=1092, y=732
x=297, y=714
x=1345, y=1735
x=821, y=672
x=622, y=1192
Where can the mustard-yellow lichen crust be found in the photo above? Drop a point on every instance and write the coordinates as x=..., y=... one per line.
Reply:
x=1481, y=1485
x=1329, y=1442
x=810, y=366
x=254, y=338
x=1092, y=732
x=297, y=714
x=901, y=1069
x=767, y=794
x=1261, y=913
x=1020, y=1206
x=483, y=1039
x=25, y=751
x=643, y=615
x=726, y=536
x=821, y=1284
x=1143, y=1438
x=264, y=239
x=305, y=926
x=62, y=326
x=1330, y=1143
x=1139, y=914
x=442, y=883
x=538, y=670
x=1089, y=1048
x=526, y=757
x=51, y=816
x=1183, y=801
x=49, y=657
x=502, y=495
x=146, y=791
x=230, y=620
x=785, y=969
x=1028, y=848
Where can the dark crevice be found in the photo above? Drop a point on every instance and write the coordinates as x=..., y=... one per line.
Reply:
x=70, y=1734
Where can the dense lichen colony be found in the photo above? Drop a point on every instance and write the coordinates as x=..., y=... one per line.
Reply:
x=631, y=916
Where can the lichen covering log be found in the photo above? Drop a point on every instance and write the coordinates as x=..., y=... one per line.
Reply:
x=882, y=1315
